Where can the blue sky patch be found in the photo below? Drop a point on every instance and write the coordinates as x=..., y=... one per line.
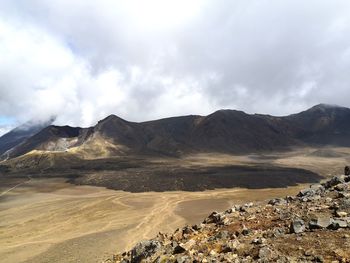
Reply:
x=6, y=120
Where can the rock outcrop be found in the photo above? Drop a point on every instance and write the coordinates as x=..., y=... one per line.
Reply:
x=313, y=226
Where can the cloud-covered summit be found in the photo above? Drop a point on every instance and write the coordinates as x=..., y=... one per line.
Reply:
x=83, y=60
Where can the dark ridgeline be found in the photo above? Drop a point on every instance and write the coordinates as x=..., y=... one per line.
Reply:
x=227, y=131
x=224, y=131
x=20, y=134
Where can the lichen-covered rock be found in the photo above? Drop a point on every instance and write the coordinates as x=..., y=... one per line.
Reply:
x=334, y=181
x=267, y=254
x=278, y=201
x=338, y=223
x=144, y=249
x=344, y=205
x=297, y=226
x=342, y=187
x=312, y=193
x=321, y=222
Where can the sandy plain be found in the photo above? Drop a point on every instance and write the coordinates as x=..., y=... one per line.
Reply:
x=50, y=220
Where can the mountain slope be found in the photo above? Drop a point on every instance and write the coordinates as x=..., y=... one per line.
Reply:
x=322, y=125
x=121, y=132
x=52, y=138
x=236, y=131
x=227, y=131
x=20, y=134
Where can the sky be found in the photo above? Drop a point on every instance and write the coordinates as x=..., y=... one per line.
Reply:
x=83, y=60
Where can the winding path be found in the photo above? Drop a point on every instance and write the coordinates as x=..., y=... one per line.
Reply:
x=10, y=189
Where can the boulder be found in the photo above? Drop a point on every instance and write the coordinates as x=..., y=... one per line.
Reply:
x=244, y=208
x=222, y=235
x=179, y=249
x=217, y=218
x=189, y=244
x=259, y=241
x=245, y=231
x=314, y=190
x=334, y=181
x=183, y=259
x=345, y=203
x=278, y=201
x=178, y=235
x=290, y=198
x=342, y=187
x=321, y=222
x=187, y=230
x=197, y=227
x=343, y=195
x=230, y=210
x=144, y=249
x=214, y=217
x=278, y=232
x=266, y=253
x=338, y=223
x=297, y=226
x=341, y=214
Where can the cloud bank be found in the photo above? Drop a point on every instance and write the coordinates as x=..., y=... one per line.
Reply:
x=83, y=60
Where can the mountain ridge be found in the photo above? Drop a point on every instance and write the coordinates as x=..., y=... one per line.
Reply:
x=229, y=131
x=19, y=134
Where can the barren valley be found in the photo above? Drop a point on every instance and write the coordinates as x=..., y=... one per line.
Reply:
x=51, y=220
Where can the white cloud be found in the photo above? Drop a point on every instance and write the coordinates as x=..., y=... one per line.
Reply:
x=5, y=129
x=44, y=78
x=82, y=60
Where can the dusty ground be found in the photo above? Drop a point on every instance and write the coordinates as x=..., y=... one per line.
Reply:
x=48, y=220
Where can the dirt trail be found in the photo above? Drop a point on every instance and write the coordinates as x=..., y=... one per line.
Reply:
x=47, y=216
x=17, y=185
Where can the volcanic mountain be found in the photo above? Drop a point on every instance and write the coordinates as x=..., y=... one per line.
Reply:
x=18, y=135
x=228, y=131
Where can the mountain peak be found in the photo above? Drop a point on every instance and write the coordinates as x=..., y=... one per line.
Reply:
x=110, y=118
x=225, y=130
x=19, y=134
x=226, y=112
x=324, y=106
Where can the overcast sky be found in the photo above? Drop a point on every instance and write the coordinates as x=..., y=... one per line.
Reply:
x=82, y=60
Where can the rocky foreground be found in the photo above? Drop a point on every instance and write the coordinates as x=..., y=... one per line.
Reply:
x=313, y=226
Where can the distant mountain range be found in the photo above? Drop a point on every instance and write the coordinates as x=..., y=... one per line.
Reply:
x=227, y=131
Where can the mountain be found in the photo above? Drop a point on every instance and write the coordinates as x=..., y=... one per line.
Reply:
x=20, y=134
x=238, y=132
x=51, y=138
x=227, y=131
x=322, y=125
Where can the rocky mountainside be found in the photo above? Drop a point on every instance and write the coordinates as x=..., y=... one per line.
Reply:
x=313, y=226
x=51, y=138
x=227, y=131
x=18, y=135
x=322, y=124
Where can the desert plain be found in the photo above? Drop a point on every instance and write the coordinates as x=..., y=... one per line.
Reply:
x=53, y=220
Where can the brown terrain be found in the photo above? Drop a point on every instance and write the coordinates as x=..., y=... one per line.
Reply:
x=43, y=217
x=71, y=194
